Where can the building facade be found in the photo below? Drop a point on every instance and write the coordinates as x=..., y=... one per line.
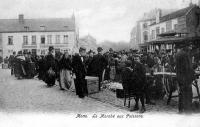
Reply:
x=140, y=33
x=164, y=29
x=174, y=27
x=36, y=35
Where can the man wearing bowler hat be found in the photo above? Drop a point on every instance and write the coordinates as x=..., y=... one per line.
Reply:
x=79, y=68
x=99, y=63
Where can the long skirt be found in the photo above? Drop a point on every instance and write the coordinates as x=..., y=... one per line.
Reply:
x=65, y=79
x=112, y=73
x=50, y=78
x=185, y=98
x=19, y=70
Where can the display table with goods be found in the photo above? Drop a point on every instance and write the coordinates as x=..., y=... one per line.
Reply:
x=112, y=93
x=170, y=85
x=163, y=86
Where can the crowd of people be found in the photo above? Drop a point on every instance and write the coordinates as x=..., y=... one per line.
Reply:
x=126, y=67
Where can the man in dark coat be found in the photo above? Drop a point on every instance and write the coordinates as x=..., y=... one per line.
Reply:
x=99, y=63
x=50, y=68
x=185, y=76
x=41, y=68
x=139, y=82
x=11, y=62
x=19, y=66
x=79, y=68
x=88, y=63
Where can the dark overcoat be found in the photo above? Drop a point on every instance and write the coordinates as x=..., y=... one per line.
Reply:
x=79, y=69
x=184, y=71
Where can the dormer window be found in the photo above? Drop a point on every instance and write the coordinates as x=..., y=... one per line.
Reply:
x=26, y=28
x=42, y=28
x=145, y=25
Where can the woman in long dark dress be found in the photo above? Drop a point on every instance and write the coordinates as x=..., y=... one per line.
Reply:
x=50, y=68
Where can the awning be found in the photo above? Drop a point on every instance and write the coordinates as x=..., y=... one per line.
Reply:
x=173, y=40
x=171, y=34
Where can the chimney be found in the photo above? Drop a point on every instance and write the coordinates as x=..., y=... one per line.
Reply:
x=21, y=18
x=158, y=15
x=199, y=3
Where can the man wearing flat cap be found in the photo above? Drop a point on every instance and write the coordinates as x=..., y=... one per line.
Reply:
x=99, y=63
x=79, y=68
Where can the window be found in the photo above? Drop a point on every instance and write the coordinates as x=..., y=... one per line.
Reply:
x=49, y=39
x=153, y=34
x=162, y=30
x=10, y=40
x=26, y=28
x=175, y=27
x=42, y=28
x=57, y=38
x=157, y=30
x=25, y=40
x=42, y=52
x=57, y=50
x=42, y=39
x=10, y=51
x=145, y=35
x=65, y=38
x=145, y=25
x=168, y=26
x=33, y=40
x=34, y=51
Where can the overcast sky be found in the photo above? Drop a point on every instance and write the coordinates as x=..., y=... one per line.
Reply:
x=104, y=19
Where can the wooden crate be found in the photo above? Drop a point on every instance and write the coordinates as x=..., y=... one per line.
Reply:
x=92, y=84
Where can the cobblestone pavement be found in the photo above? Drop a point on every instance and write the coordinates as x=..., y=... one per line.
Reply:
x=33, y=96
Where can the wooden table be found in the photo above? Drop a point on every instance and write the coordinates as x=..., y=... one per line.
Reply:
x=169, y=81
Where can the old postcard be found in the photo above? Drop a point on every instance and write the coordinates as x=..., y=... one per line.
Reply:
x=99, y=63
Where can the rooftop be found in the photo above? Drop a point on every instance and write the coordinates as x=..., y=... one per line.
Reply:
x=177, y=13
x=152, y=14
x=34, y=25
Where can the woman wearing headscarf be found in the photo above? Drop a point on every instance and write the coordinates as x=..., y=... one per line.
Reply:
x=65, y=67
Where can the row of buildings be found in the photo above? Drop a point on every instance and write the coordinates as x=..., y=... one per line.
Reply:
x=36, y=35
x=166, y=29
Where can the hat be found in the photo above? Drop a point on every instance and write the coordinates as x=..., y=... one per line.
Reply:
x=90, y=51
x=110, y=49
x=82, y=49
x=51, y=48
x=99, y=49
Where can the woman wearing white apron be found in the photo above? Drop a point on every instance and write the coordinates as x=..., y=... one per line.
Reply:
x=65, y=71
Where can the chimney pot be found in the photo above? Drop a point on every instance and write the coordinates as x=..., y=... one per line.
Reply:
x=21, y=18
x=158, y=15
